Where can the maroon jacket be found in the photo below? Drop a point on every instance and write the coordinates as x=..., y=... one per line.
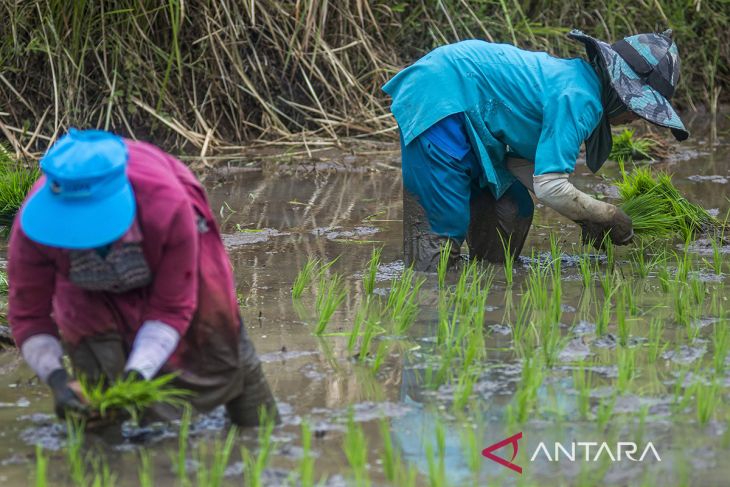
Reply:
x=192, y=289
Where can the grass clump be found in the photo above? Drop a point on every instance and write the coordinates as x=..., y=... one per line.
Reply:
x=16, y=180
x=133, y=395
x=656, y=207
x=627, y=146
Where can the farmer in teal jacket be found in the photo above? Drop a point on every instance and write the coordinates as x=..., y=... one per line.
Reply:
x=483, y=123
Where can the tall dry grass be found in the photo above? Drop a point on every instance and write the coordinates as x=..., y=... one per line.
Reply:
x=200, y=75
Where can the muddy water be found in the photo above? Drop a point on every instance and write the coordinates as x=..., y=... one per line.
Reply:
x=272, y=223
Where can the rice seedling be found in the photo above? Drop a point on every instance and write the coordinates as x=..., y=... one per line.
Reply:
x=587, y=269
x=41, y=467
x=389, y=456
x=330, y=295
x=304, y=277
x=720, y=346
x=622, y=324
x=626, y=363
x=471, y=449
x=368, y=280
x=664, y=279
x=582, y=381
x=681, y=303
x=145, y=474
x=464, y=388
x=380, y=354
x=509, y=258
x=182, y=446
x=443, y=265
x=655, y=340
x=3, y=283
x=707, y=398
x=437, y=460
x=256, y=464
x=74, y=446
x=103, y=476
x=132, y=395
x=402, y=302
x=717, y=258
x=697, y=290
x=658, y=209
x=626, y=147
x=371, y=329
x=525, y=397
x=355, y=446
x=306, y=462
x=213, y=475
x=604, y=410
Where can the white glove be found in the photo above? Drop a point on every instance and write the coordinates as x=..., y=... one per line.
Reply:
x=558, y=193
x=153, y=345
x=43, y=354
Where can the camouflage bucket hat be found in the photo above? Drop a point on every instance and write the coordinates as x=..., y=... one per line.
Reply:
x=644, y=71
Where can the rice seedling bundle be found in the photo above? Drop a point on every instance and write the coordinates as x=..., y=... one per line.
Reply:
x=15, y=182
x=656, y=207
x=627, y=146
x=133, y=395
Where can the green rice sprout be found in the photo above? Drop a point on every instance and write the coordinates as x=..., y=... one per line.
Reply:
x=355, y=447
x=402, y=302
x=707, y=398
x=304, y=277
x=213, y=475
x=74, y=446
x=103, y=476
x=582, y=381
x=525, y=397
x=41, y=467
x=370, y=274
x=145, y=474
x=657, y=209
x=626, y=363
x=330, y=295
x=133, y=395
x=389, y=456
x=655, y=339
x=717, y=258
x=627, y=146
x=306, y=462
x=587, y=269
x=720, y=345
x=604, y=410
x=255, y=465
x=509, y=259
x=182, y=448
x=443, y=265
x=437, y=460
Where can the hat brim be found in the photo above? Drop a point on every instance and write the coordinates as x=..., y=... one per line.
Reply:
x=638, y=96
x=49, y=220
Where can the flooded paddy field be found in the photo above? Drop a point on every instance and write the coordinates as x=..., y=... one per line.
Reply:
x=384, y=377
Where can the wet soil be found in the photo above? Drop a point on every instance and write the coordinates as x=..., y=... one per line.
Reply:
x=273, y=223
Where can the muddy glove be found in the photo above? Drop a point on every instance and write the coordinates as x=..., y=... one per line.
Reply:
x=619, y=230
x=65, y=399
x=596, y=218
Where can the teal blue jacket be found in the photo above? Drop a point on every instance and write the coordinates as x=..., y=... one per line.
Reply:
x=527, y=104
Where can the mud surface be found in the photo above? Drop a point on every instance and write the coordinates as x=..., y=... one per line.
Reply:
x=272, y=224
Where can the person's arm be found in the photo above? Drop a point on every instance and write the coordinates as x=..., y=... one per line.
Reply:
x=173, y=297
x=568, y=120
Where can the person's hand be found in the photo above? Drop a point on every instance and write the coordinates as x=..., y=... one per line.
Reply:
x=618, y=228
x=67, y=396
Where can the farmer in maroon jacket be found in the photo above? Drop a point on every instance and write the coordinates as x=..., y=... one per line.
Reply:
x=116, y=254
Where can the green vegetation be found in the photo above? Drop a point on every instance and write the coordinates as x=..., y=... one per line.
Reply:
x=656, y=207
x=627, y=147
x=280, y=68
x=368, y=280
x=330, y=295
x=133, y=395
x=16, y=180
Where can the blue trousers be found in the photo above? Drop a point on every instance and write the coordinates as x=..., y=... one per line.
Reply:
x=443, y=201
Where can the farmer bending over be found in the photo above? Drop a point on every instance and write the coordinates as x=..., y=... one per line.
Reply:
x=117, y=254
x=481, y=124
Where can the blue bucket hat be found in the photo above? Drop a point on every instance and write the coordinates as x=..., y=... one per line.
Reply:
x=86, y=200
x=644, y=71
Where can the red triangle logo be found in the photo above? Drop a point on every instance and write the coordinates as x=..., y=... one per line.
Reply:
x=512, y=440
